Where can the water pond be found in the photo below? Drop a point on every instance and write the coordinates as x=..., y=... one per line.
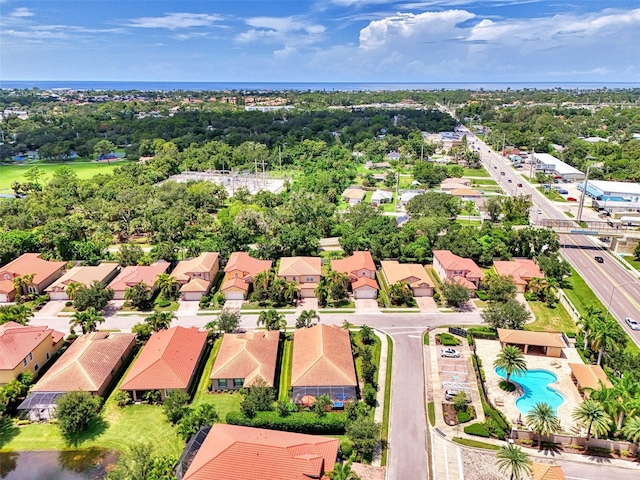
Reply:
x=89, y=464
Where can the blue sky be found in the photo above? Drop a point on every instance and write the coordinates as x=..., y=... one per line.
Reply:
x=321, y=41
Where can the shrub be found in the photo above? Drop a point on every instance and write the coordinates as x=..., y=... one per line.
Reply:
x=483, y=333
x=507, y=386
x=481, y=294
x=448, y=340
x=370, y=395
x=302, y=422
x=75, y=411
x=218, y=299
x=175, y=405
x=68, y=304
x=463, y=417
x=346, y=448
x=164, y=303
x=205, y=301
x=121, y=398
x=477, y=429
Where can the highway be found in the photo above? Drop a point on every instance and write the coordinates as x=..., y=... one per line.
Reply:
x=614, y=285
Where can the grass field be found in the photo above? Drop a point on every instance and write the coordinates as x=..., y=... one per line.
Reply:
x=550, y=319
x=285, y=369
x=84, y=170
x=384, y=434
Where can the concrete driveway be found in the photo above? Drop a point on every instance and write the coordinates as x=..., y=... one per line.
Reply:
x=233, y=305
x=187, y=308
x=366, y=305
x=427, y=304
x=307, y=304
x=50, y=309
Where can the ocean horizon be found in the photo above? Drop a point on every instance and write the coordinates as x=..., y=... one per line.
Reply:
x=105, y=85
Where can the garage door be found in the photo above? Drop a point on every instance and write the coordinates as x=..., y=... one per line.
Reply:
x=58, y=296
x=366, y=293
x=234, y=296
x=422, y=292
x=307, y=293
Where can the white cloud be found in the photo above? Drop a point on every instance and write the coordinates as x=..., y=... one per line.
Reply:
x=284, y=25
x=175, y=21
x=288, y=33
x=21, y=12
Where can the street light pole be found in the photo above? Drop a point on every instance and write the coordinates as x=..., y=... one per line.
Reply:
x=613, y=290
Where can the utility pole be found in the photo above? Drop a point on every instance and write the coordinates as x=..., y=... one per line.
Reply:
x=584, y=191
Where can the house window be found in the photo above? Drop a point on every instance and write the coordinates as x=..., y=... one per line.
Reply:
x=294, y=279
x=31, y=356
x=24, y=362
x=222, y=383
x=363, y=273
x=7, y=276
x=238, y=382
x=36, y=367
x=309, y=279
x=32, y=289
x=236, y=274
x=47, y=355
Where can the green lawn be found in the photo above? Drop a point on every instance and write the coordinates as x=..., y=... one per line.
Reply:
x=84, y=170
x=551, y=194
x=475, y=172
x=285, y=369
x=384, y=435
x=483, y=181
x=580, y=294
x=475, y=443
x=550, y=319
x=632, y=261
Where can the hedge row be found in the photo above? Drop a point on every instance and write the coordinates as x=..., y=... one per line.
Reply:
x=477, y=429
x=483, y=333
x=302, y=422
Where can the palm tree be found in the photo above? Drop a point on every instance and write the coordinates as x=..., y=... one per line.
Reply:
x=399, y=292
x=605, y=337
x=512, y=361
x=609, y=399
x=542, y=420
x=627, y=393
x=322, y=292
x=87, y=320
x=587, y=324
x=512, y=459
x=72, y=289
x=307, y=319
x=165, y=284
x=536, y=284
x=291, y=291
x=160, y=320
x=342, y=471
x=15, y=313
x=272, y=320
x=21, y=282
x=631, y=429
x=592, y=415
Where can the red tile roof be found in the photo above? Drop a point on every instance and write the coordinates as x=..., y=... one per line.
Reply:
x=244, y=262
x=521, y=269
x=412, y=273
x=449, y=261
x=137, y=274
x=201, y=264
x=322, y=357
x=232, y=452
x=18, y=341
x=196, y=285
x=351, y=265
x=297, y=266
x=235, y=282
x=87, y=364
x=364, y=281
x=167, y=361
x=250, y=355
x=30, y=263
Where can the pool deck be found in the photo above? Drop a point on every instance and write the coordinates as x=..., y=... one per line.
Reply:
x=488, y=350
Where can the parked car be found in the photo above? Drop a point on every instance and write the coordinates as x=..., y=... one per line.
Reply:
x=599, y=259
x=562, y=191
x=502, y=173
x=449, y=352
x=449, y=394
x=632, y=323
x=520, y=185
x=571, y=199
x=509, y=181
x=539, y=212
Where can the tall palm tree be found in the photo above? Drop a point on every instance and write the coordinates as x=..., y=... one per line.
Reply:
x=605, y=337
x=627, y=392
x=512, y=361
x=542, y=420
x=291, y=291
x=631, y=429
x=15, y=313
x=160, y=320
x=166, y=285
x=512, y=459
x=307, y=319
x=272, y=320
x=87, y=320
x=72, y=289
x=592, y=415
x=536, y=284
x=322, y=292
x=609, y=399
x=342, y=471
x=587, y=324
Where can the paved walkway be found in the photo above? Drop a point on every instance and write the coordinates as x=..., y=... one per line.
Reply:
x=382, y=381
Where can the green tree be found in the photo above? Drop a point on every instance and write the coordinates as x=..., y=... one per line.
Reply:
x=390, y=179
x=291, y=291
x=592, y=415
x=226, y=322
x=338, y=286
x=204, y=414
x=160, y=320
x=307, y=319
x=542, y=420
x=511, y=459
x=72, y=289
x=129, y=254
x=364, y=433
x=166, y=285
x=554, y=267
x=367, y=334
x=512, y=361
x=607, y=336
x=320, y=406
x=494, y=208
x=139, y=462
x=95, y=296
x=139, y=296
x=636, y=252
x=103, y=147
x=88, y=320
x=142, y=331
x=631, y=429
x=512, y=315
x=272, y=320
x=400, y=293
x=455, y=294
x=501, y=288
x=74, y=412
x=342, y=471
x=175, y=405
x=15, y=313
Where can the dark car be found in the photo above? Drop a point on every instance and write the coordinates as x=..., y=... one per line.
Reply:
x=509, y=180
x=520, y=185
x=599, y=259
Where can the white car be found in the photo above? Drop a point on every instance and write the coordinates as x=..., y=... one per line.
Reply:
x=539, y=212
x=449, y=352
x=633, y=325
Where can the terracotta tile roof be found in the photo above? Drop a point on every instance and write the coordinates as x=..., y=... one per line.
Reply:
x=364, y=281
x=235, y=282
x=203, y=263
x=6, y=286
x=244, y=262
x=465, y=192
x=167, y=361
x=87, y=364
x=322, y=357
x=538, y=339
x=412, y=273
x=461, y=181
x=449, y=261
x=29, y=263
x=543, y=471
x=297, y=266
x=521, y=269
x=249, y=355
x=18, y=341
x=84, y=275
x=351, y=265
x=464, y=282
x=354, y=193
x=137, y=274
x=589, y=376
x=196, y=285
x=233, y=452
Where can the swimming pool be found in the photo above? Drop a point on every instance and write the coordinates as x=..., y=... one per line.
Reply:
x=535, y=384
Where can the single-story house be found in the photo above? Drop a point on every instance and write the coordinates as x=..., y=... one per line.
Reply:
x=545, y=471
x=196, y=275
x=521, y=269
x=466, y=193
x=240, y=271
x=381, y=196
x=588, y=377
x=450, y=184
x=551, y=344
x=361, y=271
x=26, y=349
x=413, y=274
x=457, y=269
x=377, y=165
x=135, y=275
x=44, y=274
x=90, y=364
x=244, y=358
x=406, y=197
x=393, y=155
x=305, y=271
x=234, y=452
x=322, y=364
x=353, y=195
x=85, y=276
x=169, y=361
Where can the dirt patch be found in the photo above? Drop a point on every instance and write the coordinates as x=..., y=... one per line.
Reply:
x=369, y=472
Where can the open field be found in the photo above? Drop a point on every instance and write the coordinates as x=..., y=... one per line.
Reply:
x=550, y=319
x=84, y=170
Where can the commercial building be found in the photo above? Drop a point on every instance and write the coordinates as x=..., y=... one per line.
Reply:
x=551, y=165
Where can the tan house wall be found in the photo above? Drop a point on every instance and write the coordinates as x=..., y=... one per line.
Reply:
x=363, y=272
x=42, y=284
x=302, y=279
x=39, y=358
x=215, y=384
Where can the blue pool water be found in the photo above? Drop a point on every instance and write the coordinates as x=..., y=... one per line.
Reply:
x=535, y=384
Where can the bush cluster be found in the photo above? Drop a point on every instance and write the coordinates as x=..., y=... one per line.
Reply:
x=477, y=429
x=463, y=417
x=448, y=340
x=303, y=422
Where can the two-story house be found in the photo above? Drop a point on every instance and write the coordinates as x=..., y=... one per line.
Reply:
x=457, y=269
x=305, y=271
x=44, y=273
x=239, y=274
x=196, y=275
x=361, y=271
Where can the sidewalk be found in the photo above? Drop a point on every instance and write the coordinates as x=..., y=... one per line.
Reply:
x=382, y=381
